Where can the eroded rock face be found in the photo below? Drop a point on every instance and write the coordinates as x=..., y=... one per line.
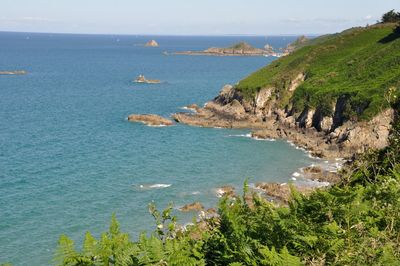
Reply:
x=326, y=124
x=363, y=135
x=262, y=101
x=325, y=136
x=150, y=119
x=296, y=82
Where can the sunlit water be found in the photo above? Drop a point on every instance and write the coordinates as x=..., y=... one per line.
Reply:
x=69, y=158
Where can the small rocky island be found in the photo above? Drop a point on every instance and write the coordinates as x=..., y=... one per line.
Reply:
x=151, y=43
x=16, y=72
x=150, y=120
x=239, y=49
x=142, y=79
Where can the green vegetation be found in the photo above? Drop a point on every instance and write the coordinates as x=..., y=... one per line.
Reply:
x=359, y=64
x=242, y=46
x=356, y=222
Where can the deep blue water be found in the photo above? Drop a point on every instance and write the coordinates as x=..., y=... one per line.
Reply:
x=69, y=158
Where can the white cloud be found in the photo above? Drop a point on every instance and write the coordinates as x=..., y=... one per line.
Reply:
x=26, y=20
x=367, y=17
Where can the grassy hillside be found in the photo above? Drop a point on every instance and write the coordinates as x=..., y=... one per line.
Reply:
x=360, y=63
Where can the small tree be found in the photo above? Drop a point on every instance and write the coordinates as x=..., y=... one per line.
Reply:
x=391, y=16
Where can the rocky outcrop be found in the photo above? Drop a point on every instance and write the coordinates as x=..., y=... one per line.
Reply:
x=151, y=43
x=296, y=82
x=195, y=206
x=316, y=173
x=329, y=136
x=142, y=79
x=282, y=192
x=228, y=191
x=150, y=119
x=239, y=49
x=16, y=72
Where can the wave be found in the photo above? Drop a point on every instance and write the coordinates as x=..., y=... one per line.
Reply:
x=160, y=125
x=154, y=186
x=248, y=135
x=189, y=109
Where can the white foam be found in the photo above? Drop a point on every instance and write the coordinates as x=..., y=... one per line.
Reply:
x=160, y=125
x=220, y=192
x=296, y=174
x=189, y=109
x=159, y=185
x=154, y=186
x=248, y=135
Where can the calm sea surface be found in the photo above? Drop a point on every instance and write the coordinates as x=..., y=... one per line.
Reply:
x=69, y=158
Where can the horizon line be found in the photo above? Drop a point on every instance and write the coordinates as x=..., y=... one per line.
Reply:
x=178, y=35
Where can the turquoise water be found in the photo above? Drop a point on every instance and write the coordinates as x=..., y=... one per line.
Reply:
x=69, y=158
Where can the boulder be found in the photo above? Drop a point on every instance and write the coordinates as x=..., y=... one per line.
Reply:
x=195, y=206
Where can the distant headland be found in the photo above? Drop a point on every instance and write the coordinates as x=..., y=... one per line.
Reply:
x=245, y=49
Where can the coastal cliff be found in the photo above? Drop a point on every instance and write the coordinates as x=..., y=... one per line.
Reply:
x=331, y=96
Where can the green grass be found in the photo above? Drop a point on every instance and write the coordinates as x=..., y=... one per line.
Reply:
x=359, y=63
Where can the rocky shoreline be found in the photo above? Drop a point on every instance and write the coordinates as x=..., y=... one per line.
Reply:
x=324, y=137
x=329, y=137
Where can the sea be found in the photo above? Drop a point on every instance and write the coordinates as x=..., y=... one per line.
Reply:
x=69, y=158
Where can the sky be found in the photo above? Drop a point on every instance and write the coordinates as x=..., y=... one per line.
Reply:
x=190, y=17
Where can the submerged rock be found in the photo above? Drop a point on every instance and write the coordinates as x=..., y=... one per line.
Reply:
x=150, y=119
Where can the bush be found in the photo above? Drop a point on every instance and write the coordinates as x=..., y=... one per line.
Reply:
x=391, y=17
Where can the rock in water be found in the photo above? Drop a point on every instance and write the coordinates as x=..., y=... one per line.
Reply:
x=150, y=119
x=151, y=43
x=195, y=206
x=142, y=79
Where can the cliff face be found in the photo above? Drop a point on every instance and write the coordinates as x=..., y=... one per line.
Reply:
x=335, y=129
